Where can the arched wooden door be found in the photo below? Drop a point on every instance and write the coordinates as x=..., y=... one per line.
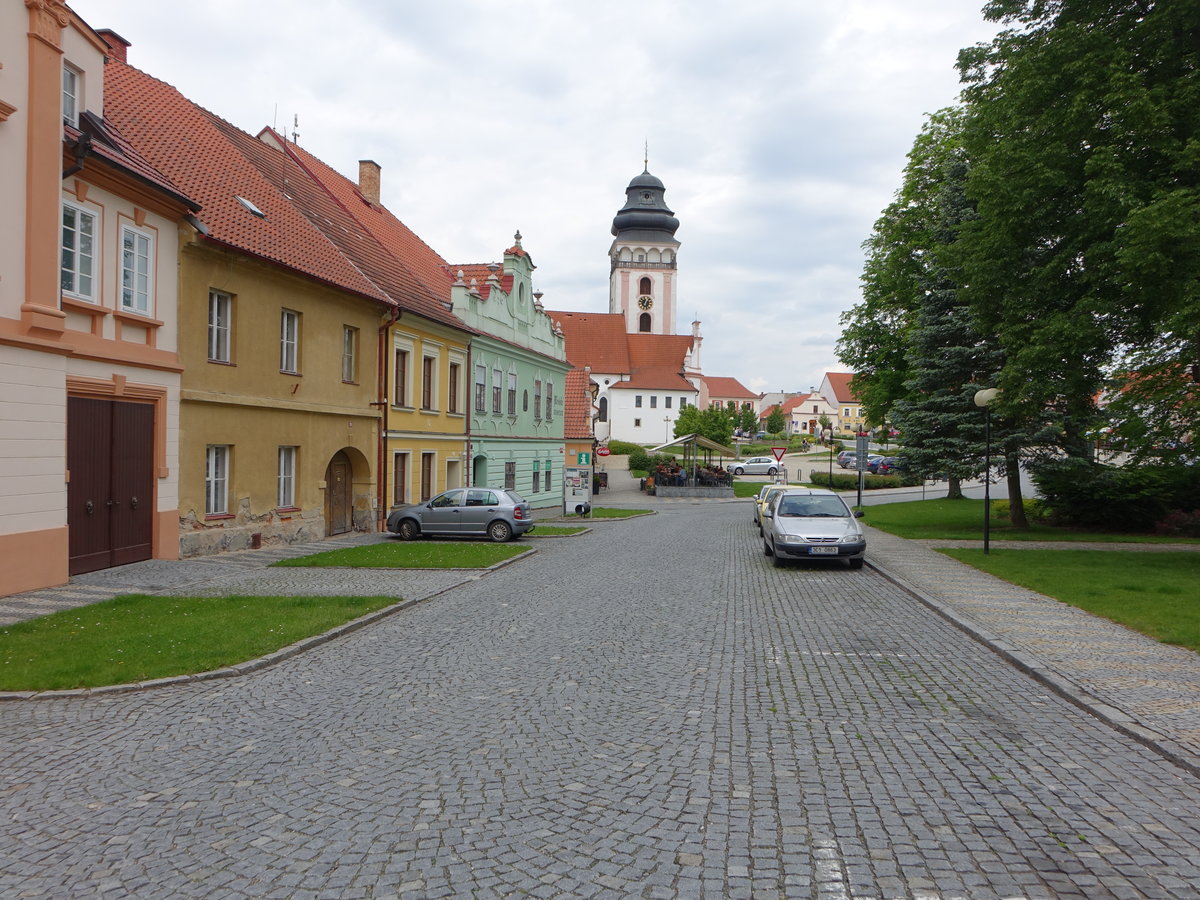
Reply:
x=339, y=498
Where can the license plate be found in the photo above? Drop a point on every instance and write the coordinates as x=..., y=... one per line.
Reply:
x=819, y=551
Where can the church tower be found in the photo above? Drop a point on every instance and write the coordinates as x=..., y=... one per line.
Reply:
x=642, y=278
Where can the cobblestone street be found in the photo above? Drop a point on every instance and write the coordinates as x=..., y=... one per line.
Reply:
x=647, y=710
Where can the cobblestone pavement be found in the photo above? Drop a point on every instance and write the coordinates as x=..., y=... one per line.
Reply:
x=649, y=710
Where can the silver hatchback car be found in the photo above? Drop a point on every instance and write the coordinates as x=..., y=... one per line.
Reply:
x=758, y=465
x=496, y=513
x=812, y=523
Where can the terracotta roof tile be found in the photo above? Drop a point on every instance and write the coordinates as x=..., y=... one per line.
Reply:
x=416, y=255
x=729, y=389
x=105, y=141
x=597, y=340
x=577, y=405
x=191, y=146
x=840, y=382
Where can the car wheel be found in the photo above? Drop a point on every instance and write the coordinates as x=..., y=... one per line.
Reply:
x=772, y=470
x=738, y=471
x=408, y=530
x=500, y=531
x=776, y=558
x=857, y=563
x=766, y=548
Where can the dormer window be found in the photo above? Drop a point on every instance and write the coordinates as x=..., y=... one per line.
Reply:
x=70, y=96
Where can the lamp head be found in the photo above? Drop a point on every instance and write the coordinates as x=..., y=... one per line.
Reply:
x=984, y=397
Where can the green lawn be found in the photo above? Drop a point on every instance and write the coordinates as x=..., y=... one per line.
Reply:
x=427, y=554
x=1157, y=594
x=963, y=520
x=138, y=637
x=555, y=530
x=600, y=512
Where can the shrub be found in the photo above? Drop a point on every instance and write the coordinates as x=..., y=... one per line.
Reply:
x=643, y=461
x=846, y=481
x=1179, y=523
x=1085, y=494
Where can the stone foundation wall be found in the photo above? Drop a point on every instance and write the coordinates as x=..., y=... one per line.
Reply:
x=200, y=538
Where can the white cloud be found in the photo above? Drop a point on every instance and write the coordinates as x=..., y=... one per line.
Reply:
x=780, y=130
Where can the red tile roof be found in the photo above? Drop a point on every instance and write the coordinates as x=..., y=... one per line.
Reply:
x=101, y=140
x=840, y=382
x=481, y=272
x=729, y=389
x=417, y=256
x=597, y=340
x=577, y=406
x=190, y=145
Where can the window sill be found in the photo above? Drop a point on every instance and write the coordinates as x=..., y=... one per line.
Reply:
x=218, y=517
x=137, y=318
x=222, y=362
x=78, y=304
x=287, y=511
x=289, y=372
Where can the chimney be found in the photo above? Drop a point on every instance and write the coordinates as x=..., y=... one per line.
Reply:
x=368, y=180
x=117, y=45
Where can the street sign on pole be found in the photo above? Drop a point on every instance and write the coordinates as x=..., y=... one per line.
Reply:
x=779, y=451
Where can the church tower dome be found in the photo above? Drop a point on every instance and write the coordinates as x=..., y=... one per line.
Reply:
x=643, y=257
x=645, y=215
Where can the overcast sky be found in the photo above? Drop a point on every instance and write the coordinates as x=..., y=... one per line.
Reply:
x=779, y=128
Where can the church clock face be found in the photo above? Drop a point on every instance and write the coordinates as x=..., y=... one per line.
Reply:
x=645, y=302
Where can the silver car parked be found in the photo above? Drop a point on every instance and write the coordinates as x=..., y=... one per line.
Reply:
x=497, y=513
x=757, y=465
x=812, y=523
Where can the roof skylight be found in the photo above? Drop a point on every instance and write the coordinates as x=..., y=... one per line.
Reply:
x=254, y=210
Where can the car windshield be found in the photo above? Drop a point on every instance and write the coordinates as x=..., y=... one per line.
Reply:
x=812, y=507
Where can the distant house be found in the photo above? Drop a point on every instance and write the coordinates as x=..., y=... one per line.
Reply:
x=730, y=393
x=835, y=387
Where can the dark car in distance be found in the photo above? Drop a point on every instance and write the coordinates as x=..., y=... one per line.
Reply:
x=495, y=513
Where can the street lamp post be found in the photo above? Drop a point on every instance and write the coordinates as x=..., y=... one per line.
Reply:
x=984, y=399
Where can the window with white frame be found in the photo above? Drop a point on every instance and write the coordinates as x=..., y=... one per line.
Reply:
x=637, y=401
x=285, y=494
x=453, y=404
x=289, y=341
x=78, y=252
x=137, y=248
x=654, y=401
x=667, y=402
x=349, y=354
x=427, y=461
x=70, y=95
x=512, y=393
x=399, y=479
x=216, y=480
x=402, y=379
x=220, y=326
x=429, y=382
x=480, y=389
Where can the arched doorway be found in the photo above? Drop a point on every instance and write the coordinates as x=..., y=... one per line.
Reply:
x=339, y=495
x=479, y=471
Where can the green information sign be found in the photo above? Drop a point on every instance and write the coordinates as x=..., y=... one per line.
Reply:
x=584, y=459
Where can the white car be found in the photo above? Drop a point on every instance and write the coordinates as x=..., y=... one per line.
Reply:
x=758, y=465
x=812, y=523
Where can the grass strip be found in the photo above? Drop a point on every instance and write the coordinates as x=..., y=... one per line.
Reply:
x=139, y=637
x=424, y=554
x=554, y=530
x=601, y=512
x=1157, y=594
x=962, y=520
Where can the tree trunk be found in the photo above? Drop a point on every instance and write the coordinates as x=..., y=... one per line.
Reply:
x=1016, y=506
x=954, y=488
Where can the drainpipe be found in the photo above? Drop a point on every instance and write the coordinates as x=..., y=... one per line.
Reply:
x=381, y=391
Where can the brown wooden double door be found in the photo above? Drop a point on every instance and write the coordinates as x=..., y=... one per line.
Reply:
x=110, y=498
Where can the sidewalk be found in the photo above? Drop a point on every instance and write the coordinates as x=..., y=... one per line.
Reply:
x=1144, y=688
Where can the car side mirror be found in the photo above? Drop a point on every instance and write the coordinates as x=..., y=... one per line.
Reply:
x=859, y=513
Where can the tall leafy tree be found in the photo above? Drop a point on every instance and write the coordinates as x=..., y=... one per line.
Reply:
x=1084, y=137
x=776, y=420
